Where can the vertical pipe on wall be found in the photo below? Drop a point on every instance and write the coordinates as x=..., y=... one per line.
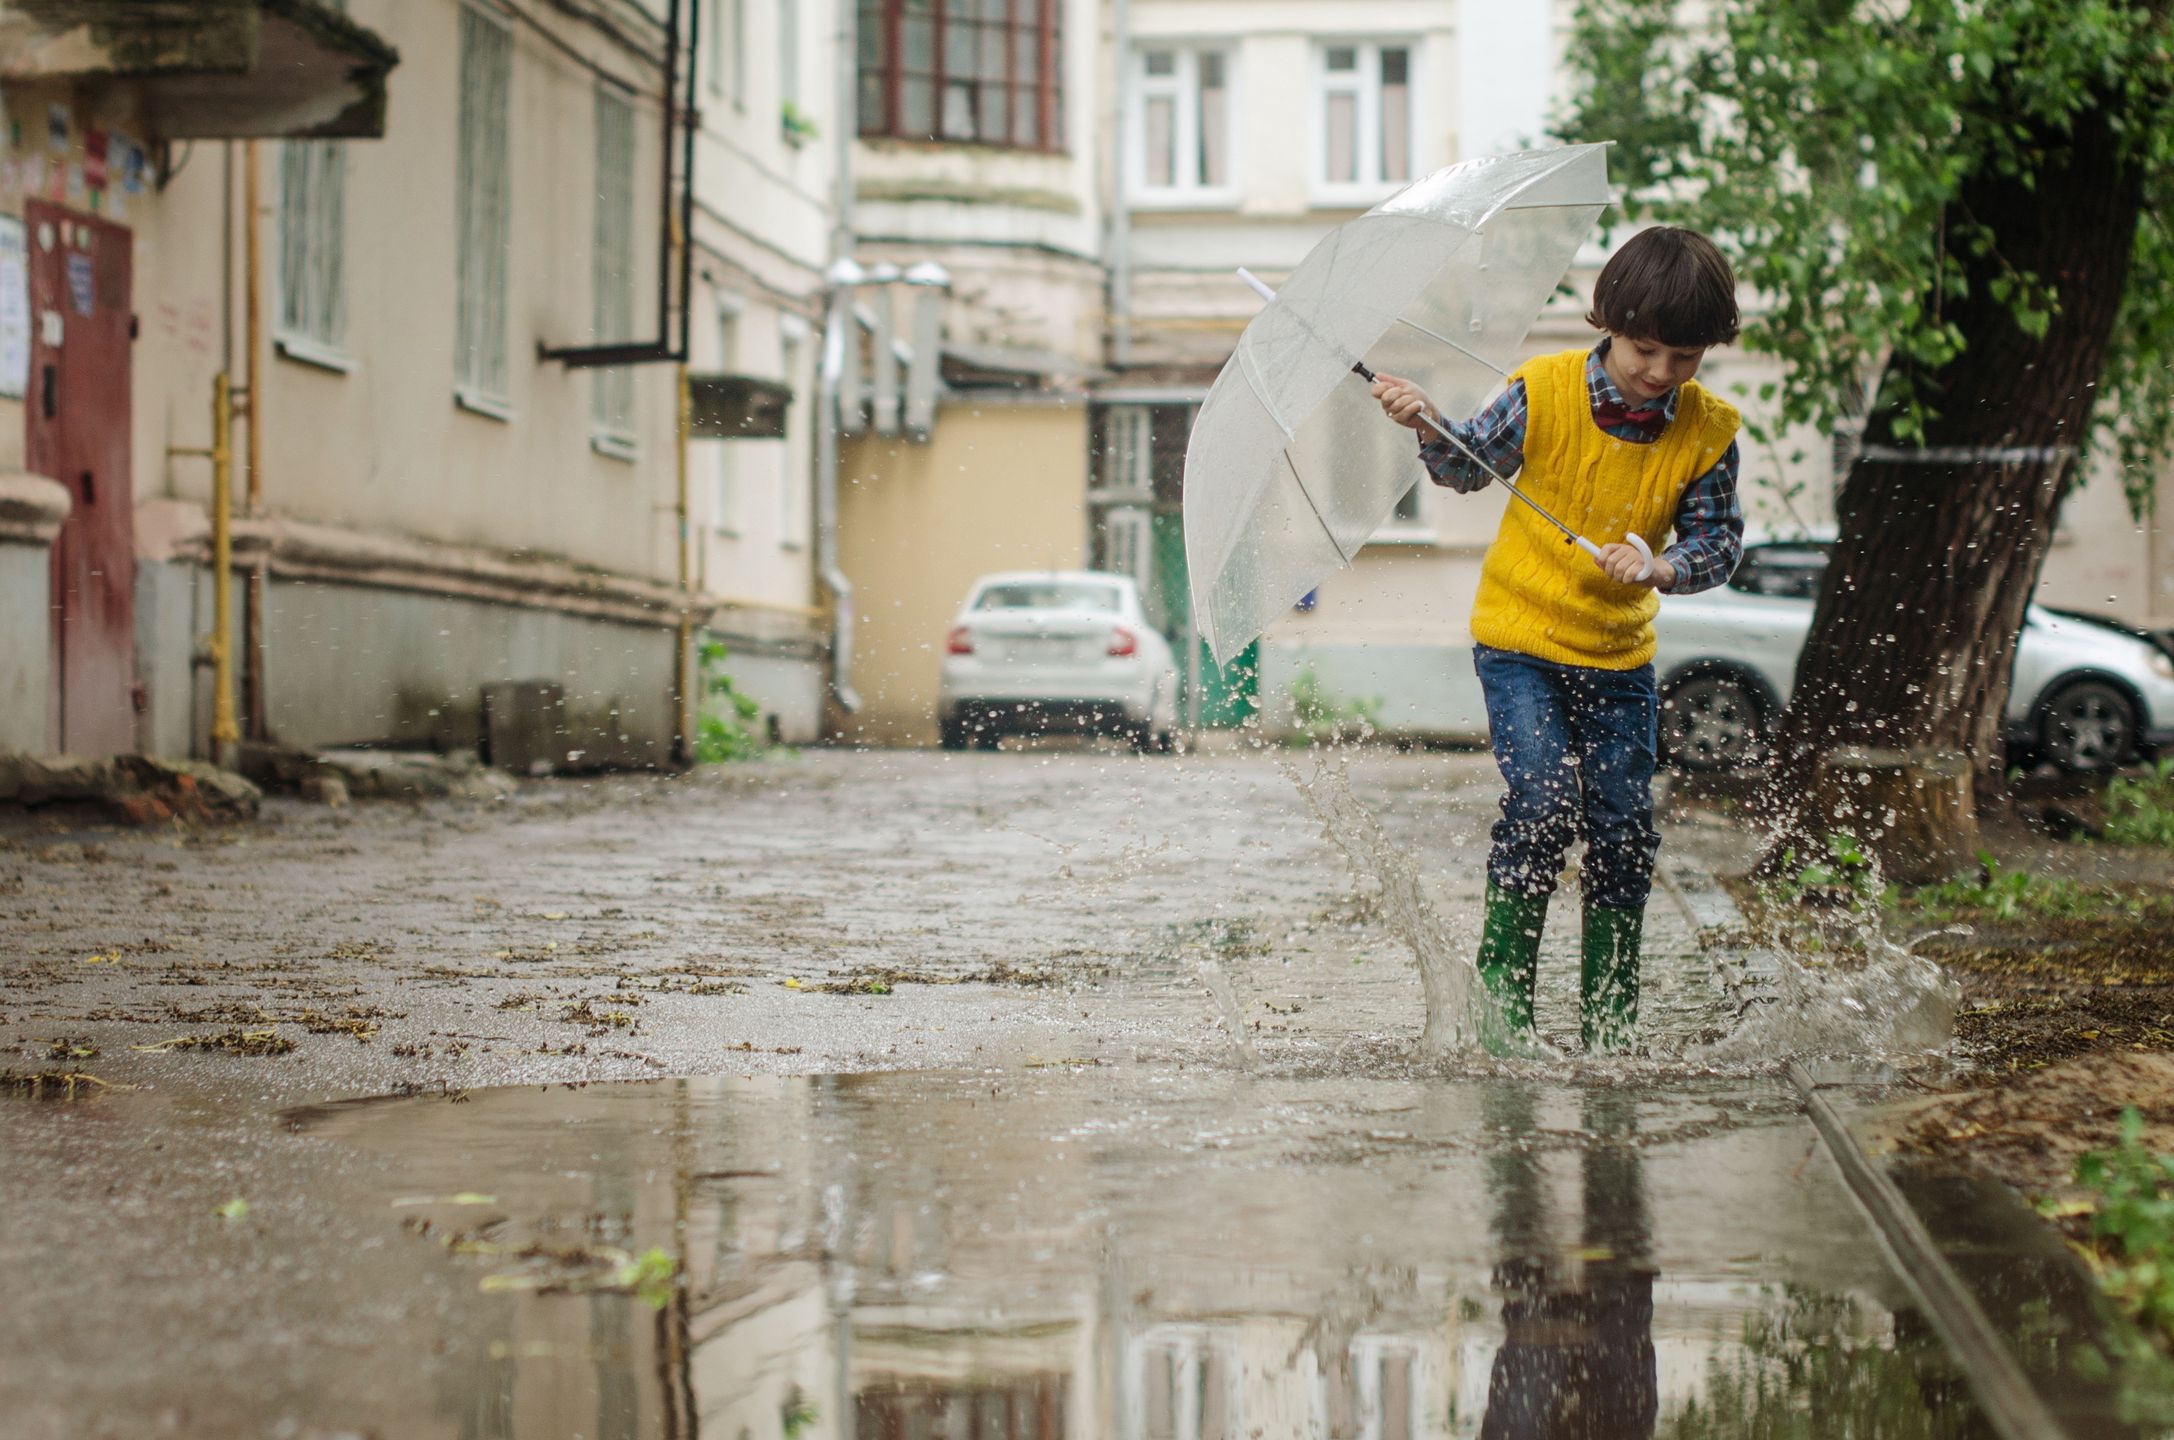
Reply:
x=837, y=334
x=254, y=702
x=223, y=730
x=1120, y=228
x=683, y=649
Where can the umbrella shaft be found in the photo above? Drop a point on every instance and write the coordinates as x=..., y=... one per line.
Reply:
x=1537, y=508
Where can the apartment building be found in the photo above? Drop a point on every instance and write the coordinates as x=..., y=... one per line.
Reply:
x=450, y=299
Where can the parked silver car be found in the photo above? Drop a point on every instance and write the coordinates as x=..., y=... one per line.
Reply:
x=2087, y=694
x=1067, y=650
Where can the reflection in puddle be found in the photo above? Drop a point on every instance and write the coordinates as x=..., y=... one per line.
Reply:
x=969, y=1257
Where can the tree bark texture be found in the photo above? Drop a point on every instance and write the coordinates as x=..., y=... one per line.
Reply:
x=1913, y=640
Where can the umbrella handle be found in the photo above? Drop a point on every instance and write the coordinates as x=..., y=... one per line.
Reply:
x=1634, y=540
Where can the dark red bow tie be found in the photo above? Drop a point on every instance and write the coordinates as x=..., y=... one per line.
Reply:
x=1610, y=413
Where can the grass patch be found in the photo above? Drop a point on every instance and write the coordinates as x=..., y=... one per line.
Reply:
x=2140, y=810
x=2129, y=1201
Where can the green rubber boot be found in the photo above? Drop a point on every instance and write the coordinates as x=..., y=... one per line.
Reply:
x=1509, y=961
x=1608, y=980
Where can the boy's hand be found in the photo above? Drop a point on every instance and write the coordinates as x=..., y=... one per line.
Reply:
x=1402, y=401
x=1622, y=564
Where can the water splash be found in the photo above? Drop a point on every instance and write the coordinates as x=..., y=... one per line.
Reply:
x=1454, y=1002
x=1217, y=983
x=1894, y=1004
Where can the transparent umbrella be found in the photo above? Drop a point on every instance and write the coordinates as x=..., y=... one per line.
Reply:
x=1291, y=466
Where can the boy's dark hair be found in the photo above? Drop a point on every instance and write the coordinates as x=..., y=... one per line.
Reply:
x=1667, y=284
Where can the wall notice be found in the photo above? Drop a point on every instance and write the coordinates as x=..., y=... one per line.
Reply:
x=14, y=310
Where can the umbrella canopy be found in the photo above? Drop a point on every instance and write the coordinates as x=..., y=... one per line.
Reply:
x=1291, y=467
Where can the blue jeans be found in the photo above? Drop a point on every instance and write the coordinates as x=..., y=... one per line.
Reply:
x=1576, y=746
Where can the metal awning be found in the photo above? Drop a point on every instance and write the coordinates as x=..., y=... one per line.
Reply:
x=737, y=407
x=211, y=69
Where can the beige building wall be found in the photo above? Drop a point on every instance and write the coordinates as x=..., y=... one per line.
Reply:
x=418, y=544
x=1001, y=486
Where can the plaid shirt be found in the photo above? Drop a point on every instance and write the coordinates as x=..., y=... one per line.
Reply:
x=1709, y=523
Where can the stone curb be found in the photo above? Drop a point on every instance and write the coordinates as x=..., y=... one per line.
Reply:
x=2003, y=1392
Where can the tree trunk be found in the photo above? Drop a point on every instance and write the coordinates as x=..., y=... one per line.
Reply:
x=1913, y=640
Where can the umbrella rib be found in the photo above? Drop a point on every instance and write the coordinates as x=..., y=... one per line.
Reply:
x=1445, y=340
x=1341, y=554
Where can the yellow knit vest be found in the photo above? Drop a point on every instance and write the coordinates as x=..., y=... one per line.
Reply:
x=1544, y=597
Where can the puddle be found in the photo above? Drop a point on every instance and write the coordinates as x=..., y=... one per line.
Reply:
x=1151, y=1255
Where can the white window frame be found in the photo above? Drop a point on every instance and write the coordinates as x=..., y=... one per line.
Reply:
x=1183, y=89
x=312, y=318
x=1364, y=83
x=482, y=352
x=739, y=53
x=611, y=273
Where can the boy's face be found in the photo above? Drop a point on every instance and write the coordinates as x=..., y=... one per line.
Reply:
x=1644, y=369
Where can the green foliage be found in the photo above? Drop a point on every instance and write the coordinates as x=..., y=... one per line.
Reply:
x=2141, y=811
x=1808, y=1370
x=724, y=728
x=797, y=1415
x=650, y=1276
x=1320, y=716
x=1825, y=144
x=1844, y=876
x=2131, y=1205
x=795, y=125
x=2005, y=894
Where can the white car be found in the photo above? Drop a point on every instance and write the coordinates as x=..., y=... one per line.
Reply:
x=1065, y=650
x=2086, y=695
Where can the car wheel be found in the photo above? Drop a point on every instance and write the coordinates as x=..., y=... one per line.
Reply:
x=1711, y=722
x=986, y=734
x=2088, y=725
x=951, y=730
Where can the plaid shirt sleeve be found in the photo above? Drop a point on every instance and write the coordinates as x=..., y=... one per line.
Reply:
x=1496, y=435
x=1709, y=529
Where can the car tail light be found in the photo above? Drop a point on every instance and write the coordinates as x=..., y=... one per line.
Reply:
x=1124, y=642
x=961, y=641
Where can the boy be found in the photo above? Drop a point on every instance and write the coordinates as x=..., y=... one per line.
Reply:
x=1612, y=440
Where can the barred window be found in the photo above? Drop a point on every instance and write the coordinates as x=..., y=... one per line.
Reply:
x=612, y=268
x=983, y=72
x=484, y=205
x=312, y=248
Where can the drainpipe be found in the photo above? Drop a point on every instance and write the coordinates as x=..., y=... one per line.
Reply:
x=1120, y=197
x=216, y=646
x=683, y=657
x=254, y=703
x=842, y=275
x=837, y=334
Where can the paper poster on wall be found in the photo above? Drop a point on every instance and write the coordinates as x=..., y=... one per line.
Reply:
x=14, y=310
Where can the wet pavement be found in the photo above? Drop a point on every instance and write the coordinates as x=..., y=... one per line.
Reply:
x=971, y=1148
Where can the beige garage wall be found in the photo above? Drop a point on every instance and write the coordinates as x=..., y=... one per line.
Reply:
x=999, y=487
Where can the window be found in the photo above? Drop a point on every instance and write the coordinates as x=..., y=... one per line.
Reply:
x=484, y=205
x=1407, y=506
x=312, y=250
x=611, y=270
x=789, y=55
x=1051, y=595
x=979, y=71
x=1365, y=119
x=792, y=469
x=1181, y=116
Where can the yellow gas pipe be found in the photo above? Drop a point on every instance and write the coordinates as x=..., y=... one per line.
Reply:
x=224, y=732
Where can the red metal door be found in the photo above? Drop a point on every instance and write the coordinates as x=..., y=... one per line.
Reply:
x=78, y=409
